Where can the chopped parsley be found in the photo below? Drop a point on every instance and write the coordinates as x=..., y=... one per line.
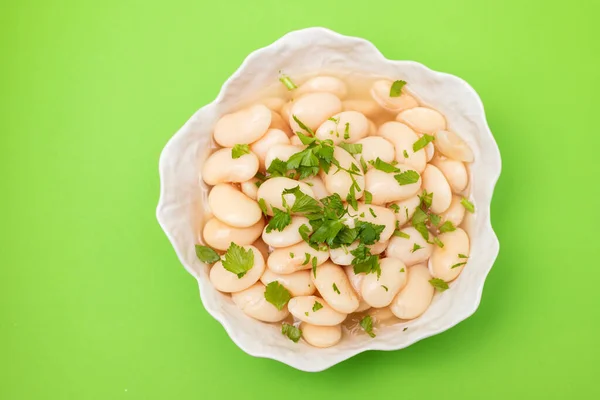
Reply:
x=347, y=131
x=277, y=295
x=239, y=150
x=396, y=88
x=288, y=82
x=407, y=177
x=280, y=220
x=422, y=142
x=458, y=265
x=383, y=166
x=440, y=284
x=291, y=332
x=416, y=247
x=468, y=205
x=352, y=148
x=447, y=226
x=335, y=288
x=385, y=287
x=368, y=197
x=206, y=254
x=367, y=324
x=405, y=153
x=462, y=256
x=372, y=212
x=394, y=207
x=237, y=260
x=401, y=234
x=317, y=306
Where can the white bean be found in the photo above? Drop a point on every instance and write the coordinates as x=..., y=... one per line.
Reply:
x=271, y=138
x=444, y=258
x=340, y=182
x=367, y=107
x=301, y=307
x=287, y=260
x=271, y=192
x=219, y=235
x=249, y=188
x=282, y=152
x=274, y=103
x=455, y=213
x=277, y=122
x=452, y=146
x=321, y=336
x=333, y=284
x=220, y=167
x=378, y=215
x=295, y=140
x=374, y=147
x=262, y=247
x=328, y=84
x=403, y=138
x=228, y=282
x=297, y=283
x=406, y=209
x=414, y=299
x=342, y=255
x=372, y=128
x=289, y=236
x=380, y=91
x=317, y=186
x=454, y=171
x=253, y=303
x=423, y=119
x=429, y=151
x=379, y=247
x=435, y=182
x=233, y=207
x=242, y=127
x=347, y=126
x=379, y=291
x=412, y=250
x=385, y=188
x=356, y=282
x=286, y=110
x=313, y=109
x=381, y=314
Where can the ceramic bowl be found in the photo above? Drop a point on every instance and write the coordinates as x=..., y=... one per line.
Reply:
x=309, y=50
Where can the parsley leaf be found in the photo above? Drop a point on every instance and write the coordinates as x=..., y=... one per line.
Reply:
x=351, y=197
x=426, y=198
x=303, y=203
x=367, y=324
x=352, y=148
x=407, y=177
x=405, y=153
x=239, y=150
x=314, y=266
x=317, y=306
x=396, y=88
x=437, y=241
x=447, y=226
x=306, y=257
x=416, y=247
x=303, y=126
x=468, y=205
x=368, y=197
x=363, y=163
x=462, y=256
x=435, y=219
x=395, y=208
x=277, y=295
x=263, y=206
x=291, y=332
x=335, y=288
x=237, y=260
x=347, y=131
x=277, y=168
x=458, y=265
x=418, y=222
x=401, y=234
x=422, y=142
x=383, y=166
x=206, y=254
x=363, y=261
x=369, y=233
x=372, y=212
x=440, y=284
x=287, y=82
x=280, y=220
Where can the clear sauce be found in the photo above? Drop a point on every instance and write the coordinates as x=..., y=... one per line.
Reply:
x=359, y=89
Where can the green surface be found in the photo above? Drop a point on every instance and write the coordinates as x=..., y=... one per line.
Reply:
x=93, y=301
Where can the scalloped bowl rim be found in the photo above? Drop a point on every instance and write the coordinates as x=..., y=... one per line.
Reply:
x=323, y=364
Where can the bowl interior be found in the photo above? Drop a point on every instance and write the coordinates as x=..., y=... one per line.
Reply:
x=299, y=53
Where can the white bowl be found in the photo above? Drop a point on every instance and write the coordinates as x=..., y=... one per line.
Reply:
x=301, y=52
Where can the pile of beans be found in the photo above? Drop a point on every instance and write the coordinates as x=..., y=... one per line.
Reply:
x=411, y=266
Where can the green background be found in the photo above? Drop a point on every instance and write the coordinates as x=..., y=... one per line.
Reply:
x=93, y=301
